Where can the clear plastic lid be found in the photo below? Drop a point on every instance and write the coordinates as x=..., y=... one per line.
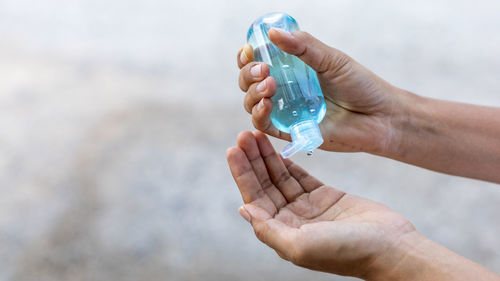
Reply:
x=306, y=136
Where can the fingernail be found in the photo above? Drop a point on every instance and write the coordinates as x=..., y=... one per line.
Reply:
x=260, y=104
x=244, y=213
x=261, y=86
x=283, y=32
x=243, y=57
x=256, y=70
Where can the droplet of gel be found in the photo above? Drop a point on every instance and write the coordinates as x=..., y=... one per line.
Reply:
x=309, y=153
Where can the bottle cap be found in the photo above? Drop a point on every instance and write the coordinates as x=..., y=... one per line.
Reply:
x=306, y=136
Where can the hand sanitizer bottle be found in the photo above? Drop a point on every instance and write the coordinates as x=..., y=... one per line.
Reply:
x=298, y=104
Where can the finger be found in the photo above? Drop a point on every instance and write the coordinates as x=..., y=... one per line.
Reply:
x=245, y=55
x=324, y=198
x=247, y=181
x=261, y=120
x=271, y=232
x=248, y=143
x=264, y=89
x=312, y=51
x=251, y=73
x=308, y=182
x=280, y=176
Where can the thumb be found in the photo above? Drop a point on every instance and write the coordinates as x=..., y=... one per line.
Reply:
x=270, y=231
x=310, y=50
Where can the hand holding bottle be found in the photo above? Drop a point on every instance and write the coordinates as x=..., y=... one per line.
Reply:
x=324, y=229
x=361, y=107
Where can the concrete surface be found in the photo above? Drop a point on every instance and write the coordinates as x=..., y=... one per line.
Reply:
x=115, y=117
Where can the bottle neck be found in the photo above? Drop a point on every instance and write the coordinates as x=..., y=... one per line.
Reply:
x=306, y=136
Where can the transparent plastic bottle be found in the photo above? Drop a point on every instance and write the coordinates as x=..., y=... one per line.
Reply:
x=298, y=104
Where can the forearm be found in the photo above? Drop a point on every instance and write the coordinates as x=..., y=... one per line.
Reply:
x=449, y=137
x=418, y=258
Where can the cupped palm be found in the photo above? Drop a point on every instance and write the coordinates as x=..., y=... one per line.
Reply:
x=306, y=222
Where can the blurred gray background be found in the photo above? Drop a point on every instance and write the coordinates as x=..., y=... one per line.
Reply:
x=115, y=117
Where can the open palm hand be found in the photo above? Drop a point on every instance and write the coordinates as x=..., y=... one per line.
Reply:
x=306, y=222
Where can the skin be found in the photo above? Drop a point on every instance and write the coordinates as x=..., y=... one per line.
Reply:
x=367, y=114
x=322, y=228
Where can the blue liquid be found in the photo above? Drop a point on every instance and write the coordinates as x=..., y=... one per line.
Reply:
x=298, y=95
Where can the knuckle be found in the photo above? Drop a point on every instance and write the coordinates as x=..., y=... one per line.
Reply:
x=241, y=82
x=252, y=96
x=258, y=122
x=301, y=174
x=247, y=67
x=245, y=78
x=246, y=104
x=302, y=35
x=264, y=68
x=336, y=63
x=245, y=72
x=260, y=193
x=266, y=184
x=283, y=177
x=251, y=89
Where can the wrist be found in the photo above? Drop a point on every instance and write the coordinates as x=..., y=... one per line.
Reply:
x=407, y=123
x=414, y=257
x=401, y=261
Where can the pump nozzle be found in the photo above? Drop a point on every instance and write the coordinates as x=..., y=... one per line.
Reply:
x=306, y=136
